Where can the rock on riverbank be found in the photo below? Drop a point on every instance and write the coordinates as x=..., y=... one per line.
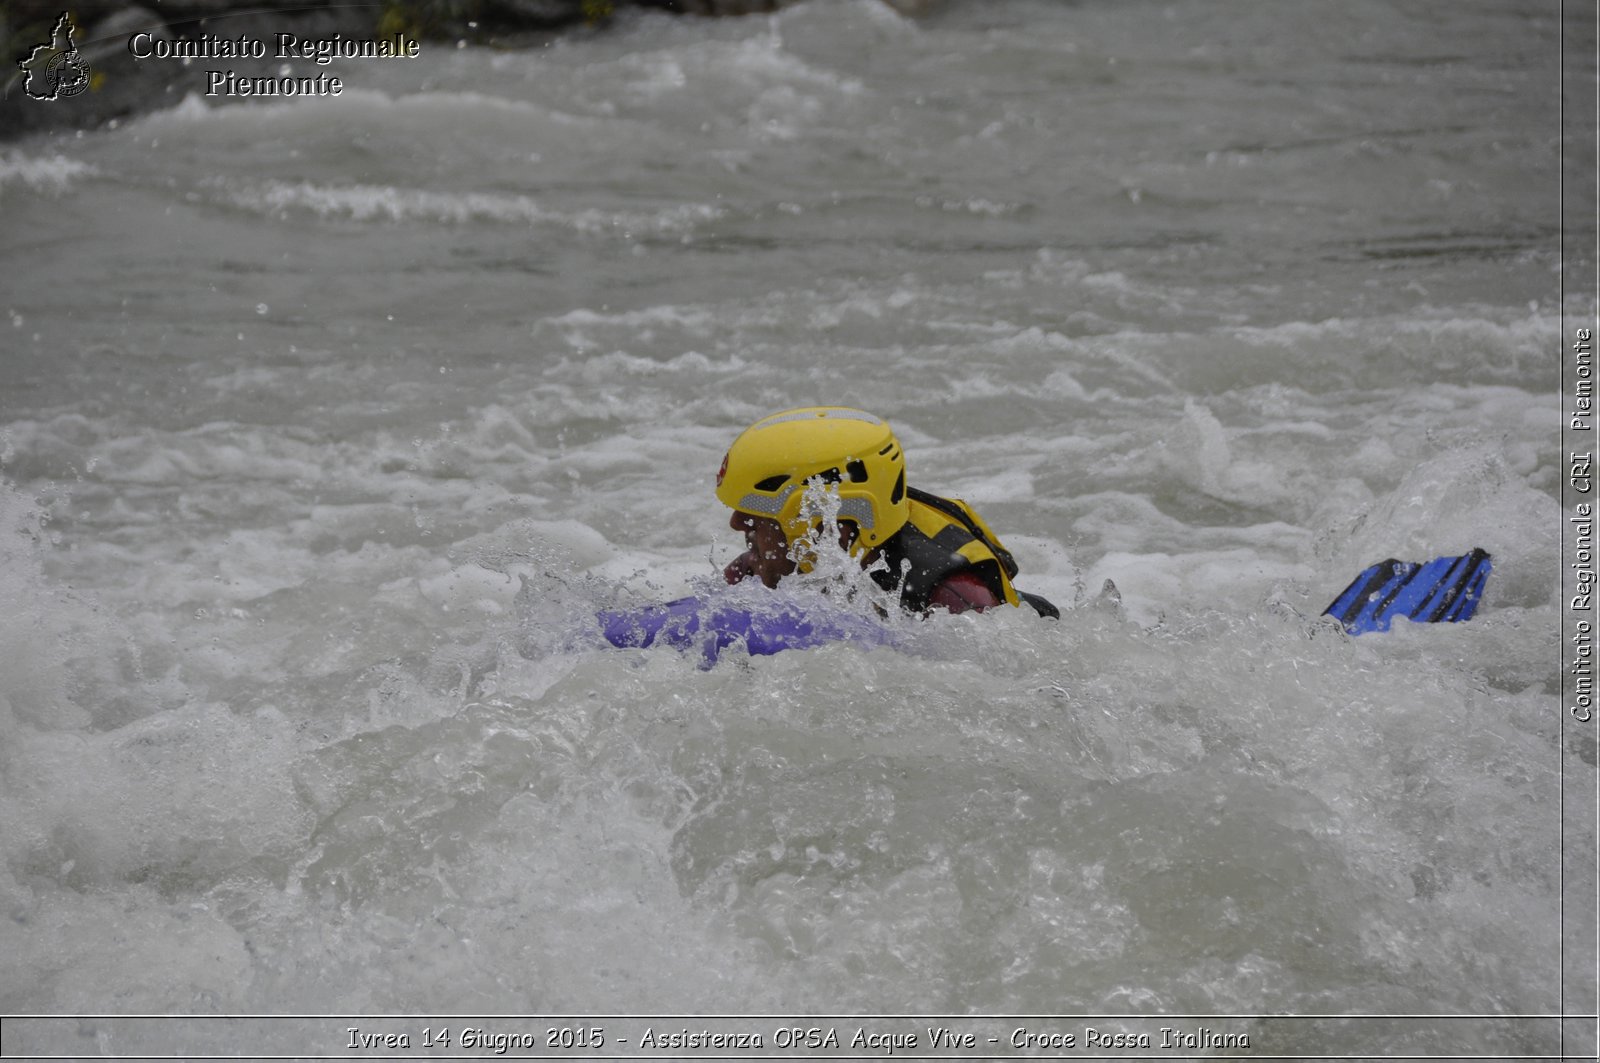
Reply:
x=120, y=85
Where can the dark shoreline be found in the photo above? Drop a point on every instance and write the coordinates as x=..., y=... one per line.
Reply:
x=121, y=86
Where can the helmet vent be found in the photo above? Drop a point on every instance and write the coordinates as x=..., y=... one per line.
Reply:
x=772, y=483
x=899, y=491
x=857, y=471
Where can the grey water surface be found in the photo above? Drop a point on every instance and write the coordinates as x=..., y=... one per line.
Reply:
x=327, y=424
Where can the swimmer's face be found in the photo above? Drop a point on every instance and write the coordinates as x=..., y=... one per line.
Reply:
x=768, y=557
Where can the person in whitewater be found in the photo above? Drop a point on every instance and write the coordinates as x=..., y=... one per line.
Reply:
x=936, y=552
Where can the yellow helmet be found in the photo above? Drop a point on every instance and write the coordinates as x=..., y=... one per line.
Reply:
x=766, y=469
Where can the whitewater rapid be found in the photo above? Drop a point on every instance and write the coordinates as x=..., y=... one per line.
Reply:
x=328, y=425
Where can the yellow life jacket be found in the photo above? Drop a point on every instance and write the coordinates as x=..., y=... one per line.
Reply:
x=945, y=536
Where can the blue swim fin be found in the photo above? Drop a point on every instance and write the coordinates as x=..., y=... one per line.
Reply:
x=1444, y=589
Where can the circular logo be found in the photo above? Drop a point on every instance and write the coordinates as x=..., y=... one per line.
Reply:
x=67, y=75
x=722, y=472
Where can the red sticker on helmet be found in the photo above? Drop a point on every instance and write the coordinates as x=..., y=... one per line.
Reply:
x=722, y=471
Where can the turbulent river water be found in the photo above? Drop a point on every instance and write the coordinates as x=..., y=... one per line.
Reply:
x=326, y=425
